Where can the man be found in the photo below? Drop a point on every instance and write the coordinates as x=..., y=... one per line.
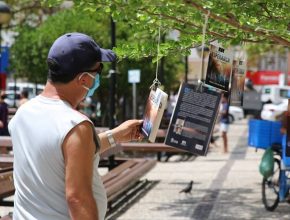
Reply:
x=3, y=115
x=224, y=120
x=56, y=150
x=23, y=97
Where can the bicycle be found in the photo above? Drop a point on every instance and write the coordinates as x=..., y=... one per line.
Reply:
x=264, y=134
x=275, y=188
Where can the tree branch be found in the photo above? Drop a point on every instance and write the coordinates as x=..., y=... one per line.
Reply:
x=35, y=5
x=264, y=7
x=237, y=25
x=216, y=34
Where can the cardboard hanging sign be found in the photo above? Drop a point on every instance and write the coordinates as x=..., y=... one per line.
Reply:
x=238, y=82
x=219, y=67
x=155, y=106
x=193, y=119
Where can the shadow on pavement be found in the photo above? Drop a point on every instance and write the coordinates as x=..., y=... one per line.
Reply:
x=224, y=204
x=129, y=198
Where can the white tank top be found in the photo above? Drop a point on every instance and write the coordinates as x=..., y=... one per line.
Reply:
x=38, y=130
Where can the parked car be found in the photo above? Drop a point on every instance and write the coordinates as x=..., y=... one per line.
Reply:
x=272, y=111
x=10, y=96
x=275, y=93
x=235, y=113
x=32, y=88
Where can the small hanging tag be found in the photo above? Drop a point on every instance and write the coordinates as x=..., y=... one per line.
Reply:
x=199, y=87
x=155, y=84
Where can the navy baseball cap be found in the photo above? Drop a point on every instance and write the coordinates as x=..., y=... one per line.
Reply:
x=73, y=53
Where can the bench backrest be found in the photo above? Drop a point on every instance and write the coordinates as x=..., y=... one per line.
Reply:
x=6, y=183
x=125, y=175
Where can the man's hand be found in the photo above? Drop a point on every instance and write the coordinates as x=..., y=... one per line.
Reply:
x=128, y=131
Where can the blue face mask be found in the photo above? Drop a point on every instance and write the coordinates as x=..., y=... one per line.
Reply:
x=94, y=86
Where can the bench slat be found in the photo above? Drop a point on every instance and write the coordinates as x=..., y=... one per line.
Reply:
x=6, y=183
x=7, y=217
x=130, y=180
x=150, y=147
x=124, y=173
x=127, y=179
x=5, y=141
x=117, y=170
x=5, y=166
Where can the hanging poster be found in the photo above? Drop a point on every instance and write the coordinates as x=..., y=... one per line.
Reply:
x=238, y=82
x=219, y=67
x=155, y=106
x=287, y=122
x=193, y=119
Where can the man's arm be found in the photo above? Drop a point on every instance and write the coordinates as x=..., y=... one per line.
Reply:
x=127, y=131
x=78, y=150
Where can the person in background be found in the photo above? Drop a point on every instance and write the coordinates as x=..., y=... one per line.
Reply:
x=224, y=120
x=23, y=97
x=56, y=148
x=3, y=116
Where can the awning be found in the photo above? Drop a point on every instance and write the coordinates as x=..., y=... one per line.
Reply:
x=265, y=77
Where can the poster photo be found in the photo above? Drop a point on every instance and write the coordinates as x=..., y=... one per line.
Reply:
x=193, y=119
x=238, y=82
x=219, y=67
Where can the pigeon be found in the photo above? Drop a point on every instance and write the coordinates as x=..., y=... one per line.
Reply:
x=188, y=188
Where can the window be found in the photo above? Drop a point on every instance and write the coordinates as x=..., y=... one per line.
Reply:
x=285, y=93
x=12, y=88
x=267, y=91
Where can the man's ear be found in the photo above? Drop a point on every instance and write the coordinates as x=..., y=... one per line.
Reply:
x=81, y=78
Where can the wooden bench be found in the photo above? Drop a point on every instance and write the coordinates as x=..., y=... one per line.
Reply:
x=122, y=177
x=5, y=144
x=161, y=133
x=11, y=113
x=4, y=167
x=158, y=148
x=116, y=181
x=149, y=147
x=6, y=179
x=6, y=163
x=7, y=217
x=7, y=187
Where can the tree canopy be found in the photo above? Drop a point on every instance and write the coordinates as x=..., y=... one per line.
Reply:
x=29, y=52
x=229, y=21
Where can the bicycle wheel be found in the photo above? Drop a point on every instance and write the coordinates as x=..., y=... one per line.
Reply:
x=270, y=188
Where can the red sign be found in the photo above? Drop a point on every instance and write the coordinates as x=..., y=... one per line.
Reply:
x=3, y=81
x=265, y=77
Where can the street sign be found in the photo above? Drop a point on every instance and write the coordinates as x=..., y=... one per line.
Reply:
x=134, y=76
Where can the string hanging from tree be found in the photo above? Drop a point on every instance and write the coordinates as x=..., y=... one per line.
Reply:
x=156, y=83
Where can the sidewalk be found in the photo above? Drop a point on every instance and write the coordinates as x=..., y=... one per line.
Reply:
x=226, y=186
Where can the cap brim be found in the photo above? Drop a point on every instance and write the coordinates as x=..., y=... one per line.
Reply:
x=107, y=55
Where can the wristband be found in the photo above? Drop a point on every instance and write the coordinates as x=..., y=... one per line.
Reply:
x=110, y=138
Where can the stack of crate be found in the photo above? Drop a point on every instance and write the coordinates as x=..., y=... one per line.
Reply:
x=263, y=134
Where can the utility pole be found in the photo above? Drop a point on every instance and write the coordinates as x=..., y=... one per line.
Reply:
x=286, y=66
x=112, y=92
x=186, y=69
x=112, y=74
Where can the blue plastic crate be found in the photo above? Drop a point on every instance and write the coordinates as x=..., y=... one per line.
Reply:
x=276, y=136
x=286, y=160
x=259, y=133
